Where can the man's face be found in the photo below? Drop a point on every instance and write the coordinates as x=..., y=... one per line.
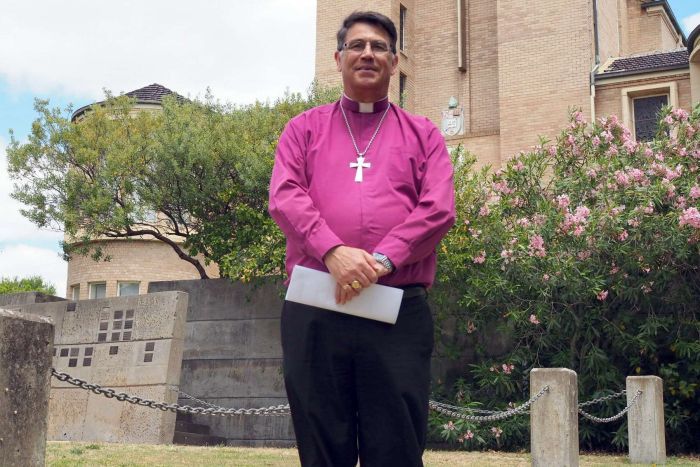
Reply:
x=367, y=71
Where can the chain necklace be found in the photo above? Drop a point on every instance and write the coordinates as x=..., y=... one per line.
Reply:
x=361, y=164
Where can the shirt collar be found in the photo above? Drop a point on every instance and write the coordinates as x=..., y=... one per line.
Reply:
x=364, y=107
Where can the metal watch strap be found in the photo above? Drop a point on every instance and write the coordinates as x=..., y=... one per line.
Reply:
x=384, y=260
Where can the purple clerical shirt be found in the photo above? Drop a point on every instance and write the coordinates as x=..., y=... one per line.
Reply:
x=402, y=208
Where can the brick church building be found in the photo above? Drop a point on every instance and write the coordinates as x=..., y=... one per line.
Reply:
x=493, y=74
x=512, y=68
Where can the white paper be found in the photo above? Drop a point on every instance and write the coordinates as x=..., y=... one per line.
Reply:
x=316, y=288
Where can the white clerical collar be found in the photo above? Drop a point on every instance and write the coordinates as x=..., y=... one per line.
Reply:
x=364, y=107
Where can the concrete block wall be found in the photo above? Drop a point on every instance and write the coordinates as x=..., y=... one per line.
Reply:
x=233, y=357
x=131, y=344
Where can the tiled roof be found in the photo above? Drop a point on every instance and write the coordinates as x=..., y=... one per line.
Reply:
x=647, y=62
x=152, y=92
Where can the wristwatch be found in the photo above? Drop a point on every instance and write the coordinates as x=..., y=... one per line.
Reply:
x=384, y=260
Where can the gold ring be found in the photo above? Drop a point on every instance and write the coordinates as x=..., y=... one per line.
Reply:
x=356, y=284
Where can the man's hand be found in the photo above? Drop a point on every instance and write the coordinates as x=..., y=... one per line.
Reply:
x=347, y=264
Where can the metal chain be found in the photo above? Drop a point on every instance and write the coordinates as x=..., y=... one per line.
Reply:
x=493, y=417
x=275, y=410
x=352, y=137
x=187, y=396
x=603, y=399
x=463, y=409
x=595, y=419
x=278, y=410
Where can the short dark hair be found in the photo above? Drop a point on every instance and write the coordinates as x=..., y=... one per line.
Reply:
x=368, y=17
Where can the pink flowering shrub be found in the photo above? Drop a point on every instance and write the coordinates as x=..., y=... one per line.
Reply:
x=587, y=257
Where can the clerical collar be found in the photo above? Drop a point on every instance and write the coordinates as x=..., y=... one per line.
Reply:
x=364, y=107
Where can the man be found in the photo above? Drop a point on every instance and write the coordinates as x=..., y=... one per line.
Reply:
x=363, y=190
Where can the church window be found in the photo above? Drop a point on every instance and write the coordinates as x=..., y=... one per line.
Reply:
x=402, y=89
x=646, y=116
x=402, y=27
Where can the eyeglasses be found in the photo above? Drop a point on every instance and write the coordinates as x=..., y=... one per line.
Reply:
x=359, y=46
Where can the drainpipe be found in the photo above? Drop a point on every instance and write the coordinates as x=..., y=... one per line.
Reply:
x=597, y=58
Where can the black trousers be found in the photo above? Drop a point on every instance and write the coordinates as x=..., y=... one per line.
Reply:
x=358, y=386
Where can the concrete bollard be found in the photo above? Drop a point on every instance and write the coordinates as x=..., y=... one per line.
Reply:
x=26, y=346
x=554, y=418
x=645, y=420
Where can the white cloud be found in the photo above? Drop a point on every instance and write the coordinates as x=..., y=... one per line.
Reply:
x=690, y=22
x=24, y=261
x=15, y=228
x=242, y=49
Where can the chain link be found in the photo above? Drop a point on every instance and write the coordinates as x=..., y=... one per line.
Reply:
x=371, y=140
x=496, y=415
x=283, y=409
x=276, y=410
x=617, y=416
x=603, y=399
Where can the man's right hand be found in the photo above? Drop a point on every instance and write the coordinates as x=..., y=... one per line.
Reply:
x=347, y=264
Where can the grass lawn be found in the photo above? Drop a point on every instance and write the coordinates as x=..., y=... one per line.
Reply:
x=69, y=454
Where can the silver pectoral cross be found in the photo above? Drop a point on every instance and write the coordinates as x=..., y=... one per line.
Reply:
x=359, y=165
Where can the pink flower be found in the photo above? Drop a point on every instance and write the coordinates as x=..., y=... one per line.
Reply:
x=694, y=192
x=617, y=210
x=612, y=151
x=484, y=211
x=552, y=150
x=649, y=208
x=668, y=120
x=545, y=277
x=468, y=434
x=602, y=295
x=584, y=255
x=470, y=327
x=563, y=201
x=592, y=173
x=578, y=117
x=690, y=217
x=680, y=114
x=534, y=320
x=633, y=222
x=607, y=136
x=595, y=141
x=502, y=187
x=645, y=289
x=519, y=166
x=450, y=426
x=481, y=258
x=496, y=431
x=536, y=246
x=623, y=236
x=507, y=369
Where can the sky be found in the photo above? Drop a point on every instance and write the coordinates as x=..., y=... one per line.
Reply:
x=70, y=51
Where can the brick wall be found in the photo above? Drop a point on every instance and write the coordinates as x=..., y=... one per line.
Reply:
x=608, y=29
x=138, y=260
x=543, y=68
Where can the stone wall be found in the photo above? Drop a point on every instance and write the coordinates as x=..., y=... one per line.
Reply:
x=13, y=299
x=233, y=358
x=131, y=344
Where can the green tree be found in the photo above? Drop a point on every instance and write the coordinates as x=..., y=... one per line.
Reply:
x=193, y=176
x=27, y=284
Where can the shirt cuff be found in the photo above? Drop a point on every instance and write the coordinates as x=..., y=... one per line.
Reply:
x=321, y=241
x=396, y=250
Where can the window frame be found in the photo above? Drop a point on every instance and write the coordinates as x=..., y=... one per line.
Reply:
x=120, y=283
x=91, y=289
x=628, y=94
